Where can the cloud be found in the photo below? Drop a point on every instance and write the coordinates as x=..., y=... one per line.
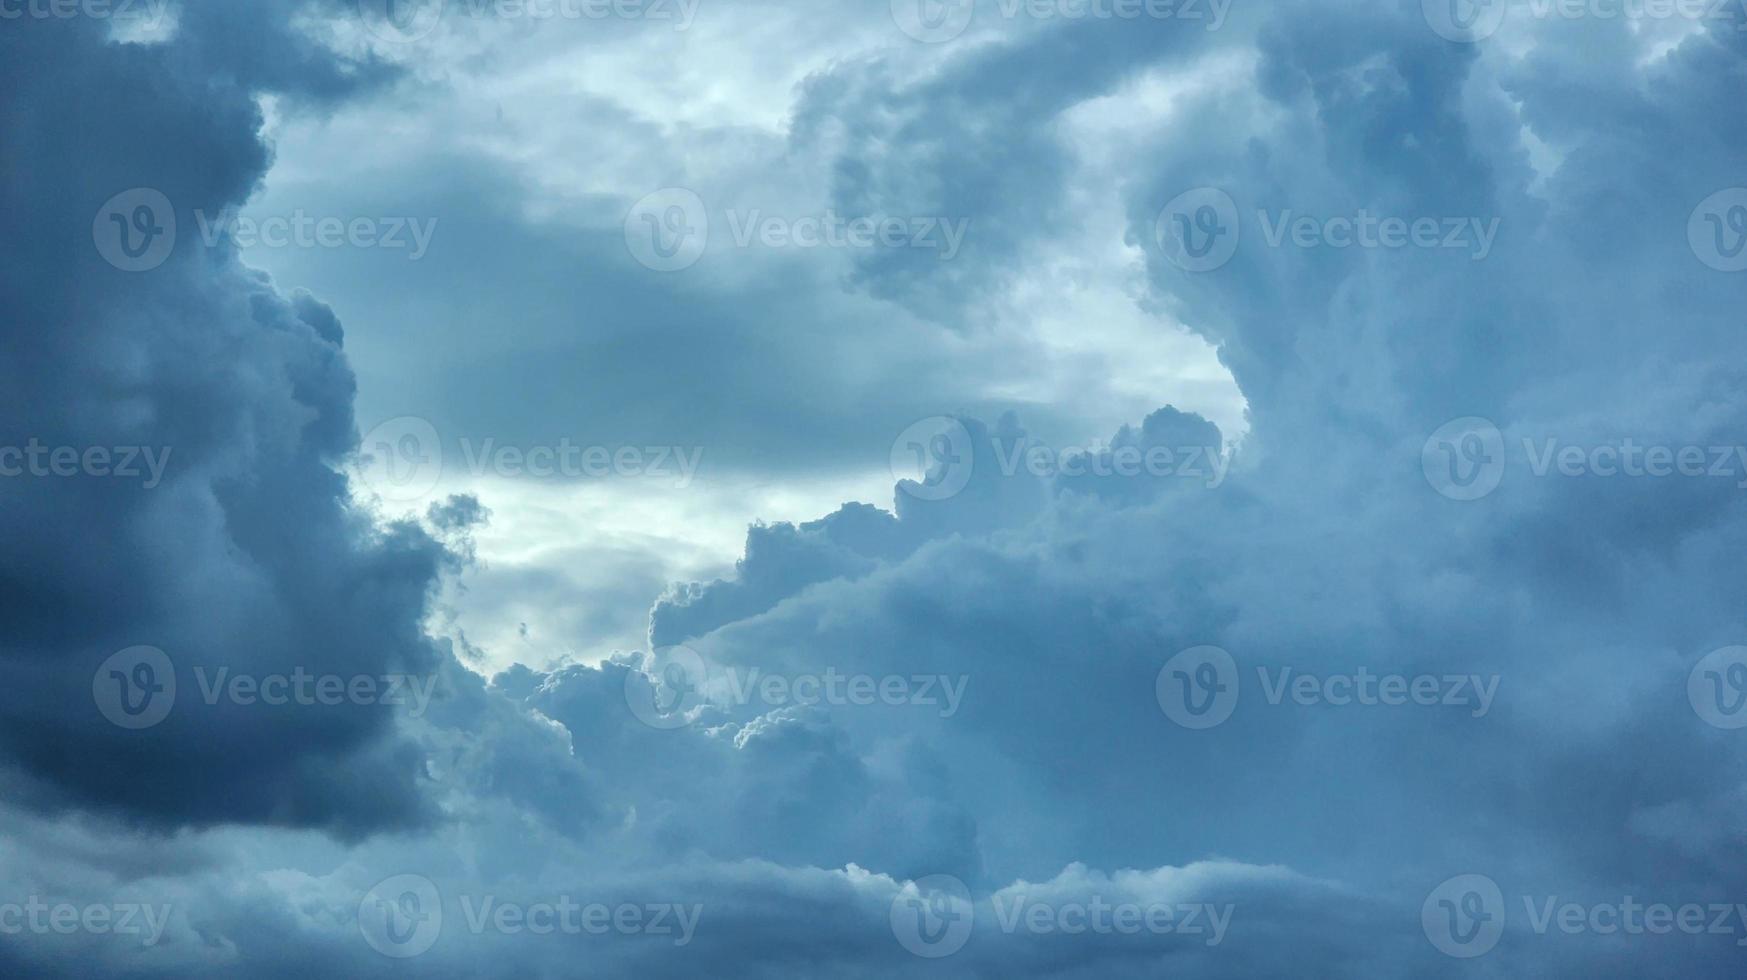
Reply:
x=243, y=553
x=974, y=684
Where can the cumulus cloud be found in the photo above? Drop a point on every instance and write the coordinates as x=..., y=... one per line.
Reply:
x=955, y=713
x=246, y=553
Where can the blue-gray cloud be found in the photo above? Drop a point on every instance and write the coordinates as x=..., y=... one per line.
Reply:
x=1012, y=628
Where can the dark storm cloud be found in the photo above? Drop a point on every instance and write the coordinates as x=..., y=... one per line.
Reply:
x=246, y=554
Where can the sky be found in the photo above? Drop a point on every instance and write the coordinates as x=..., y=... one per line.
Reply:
x=961, y=488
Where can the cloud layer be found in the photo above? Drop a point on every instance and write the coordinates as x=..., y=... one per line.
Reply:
x=1375, y=670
